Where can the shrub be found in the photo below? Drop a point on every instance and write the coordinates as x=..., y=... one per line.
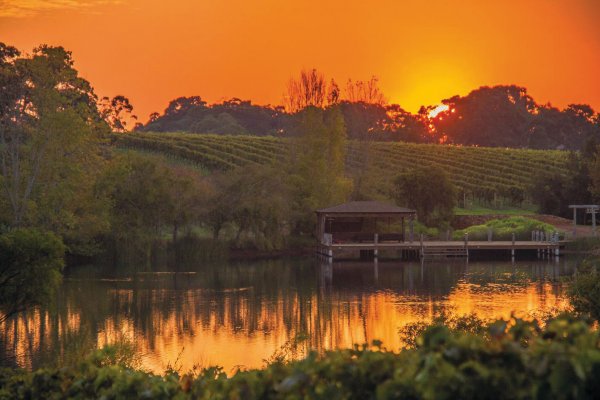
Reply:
x=502, y=229
x=31, y=262
x=584, y=290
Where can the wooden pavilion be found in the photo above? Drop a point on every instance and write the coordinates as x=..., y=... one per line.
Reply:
x=363, y=222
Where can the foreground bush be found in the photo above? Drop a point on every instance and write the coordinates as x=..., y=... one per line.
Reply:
x=516, y=359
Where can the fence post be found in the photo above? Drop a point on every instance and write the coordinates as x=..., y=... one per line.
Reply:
x=489, y=234
x=512, y=250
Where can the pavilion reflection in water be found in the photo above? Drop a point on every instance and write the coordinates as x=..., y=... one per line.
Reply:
x=241, y=314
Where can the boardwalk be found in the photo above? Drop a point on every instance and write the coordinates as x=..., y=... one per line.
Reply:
x=437, y=248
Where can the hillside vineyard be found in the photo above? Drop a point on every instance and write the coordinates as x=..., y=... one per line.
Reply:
x=482, y=172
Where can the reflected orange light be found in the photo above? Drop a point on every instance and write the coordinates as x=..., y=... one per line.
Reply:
x=202, y=337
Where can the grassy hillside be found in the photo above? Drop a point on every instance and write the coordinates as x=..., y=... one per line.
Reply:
x=482, y=172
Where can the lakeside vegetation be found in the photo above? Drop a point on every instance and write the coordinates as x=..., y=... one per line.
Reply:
x=514, y=359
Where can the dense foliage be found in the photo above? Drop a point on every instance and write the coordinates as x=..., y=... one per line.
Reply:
x=584, y=290
x=30, y=269
x=499, y=116
x=429, y=191
x=50, y=131
x=554, y=191
x=516, y=359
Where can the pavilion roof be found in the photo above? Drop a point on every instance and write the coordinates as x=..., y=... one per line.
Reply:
x=365, y=207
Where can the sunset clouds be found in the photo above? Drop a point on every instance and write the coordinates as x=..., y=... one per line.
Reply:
x=29, y=8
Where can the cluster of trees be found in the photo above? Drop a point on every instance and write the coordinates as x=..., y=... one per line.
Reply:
x=430, y=192
x=499, y=116
x=507, y=116
x=553, y=193
x=362, y=104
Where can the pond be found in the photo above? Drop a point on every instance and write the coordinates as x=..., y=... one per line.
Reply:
x=240, y=314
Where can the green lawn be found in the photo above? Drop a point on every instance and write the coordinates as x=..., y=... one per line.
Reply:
x=491, y=211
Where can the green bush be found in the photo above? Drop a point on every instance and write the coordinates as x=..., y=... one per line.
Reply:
x=584, y=289
x=31, y=262
x=514, y=359
x=502, y=229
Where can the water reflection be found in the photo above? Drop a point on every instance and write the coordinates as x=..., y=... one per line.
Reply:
x=239, y=314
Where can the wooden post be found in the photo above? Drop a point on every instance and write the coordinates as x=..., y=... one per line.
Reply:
x=403, y=231
x=412, y=229
x=376, y=250
x=467, y=244
x=489, y=234
x=574, y=222
x=512, y=250
x=422, y=248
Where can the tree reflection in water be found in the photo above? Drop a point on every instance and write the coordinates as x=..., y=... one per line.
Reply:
x=240, y=314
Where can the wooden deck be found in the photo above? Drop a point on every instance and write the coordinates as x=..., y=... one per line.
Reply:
x=441, y=248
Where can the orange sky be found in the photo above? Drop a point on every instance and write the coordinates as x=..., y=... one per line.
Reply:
x=423, y=51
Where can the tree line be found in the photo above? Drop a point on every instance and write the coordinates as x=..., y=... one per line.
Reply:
x=499, y=116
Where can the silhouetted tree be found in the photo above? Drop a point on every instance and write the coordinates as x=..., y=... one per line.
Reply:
x=117, y=112
x=309, y=89
x=496, y=116
x=333, y=95
x=365, y=92
x=183, y=104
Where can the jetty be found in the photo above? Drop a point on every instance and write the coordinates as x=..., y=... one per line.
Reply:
x=371, y=229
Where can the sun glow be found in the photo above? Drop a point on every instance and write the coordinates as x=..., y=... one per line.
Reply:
x=441, y=108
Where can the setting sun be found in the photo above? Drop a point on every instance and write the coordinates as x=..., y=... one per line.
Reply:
x=441, y=108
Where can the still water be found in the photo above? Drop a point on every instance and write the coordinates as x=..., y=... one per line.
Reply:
x=239, y=314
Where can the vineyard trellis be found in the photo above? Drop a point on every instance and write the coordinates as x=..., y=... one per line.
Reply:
x=484, y=173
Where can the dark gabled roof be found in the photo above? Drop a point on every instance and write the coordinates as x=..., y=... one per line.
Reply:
x=365, y=207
